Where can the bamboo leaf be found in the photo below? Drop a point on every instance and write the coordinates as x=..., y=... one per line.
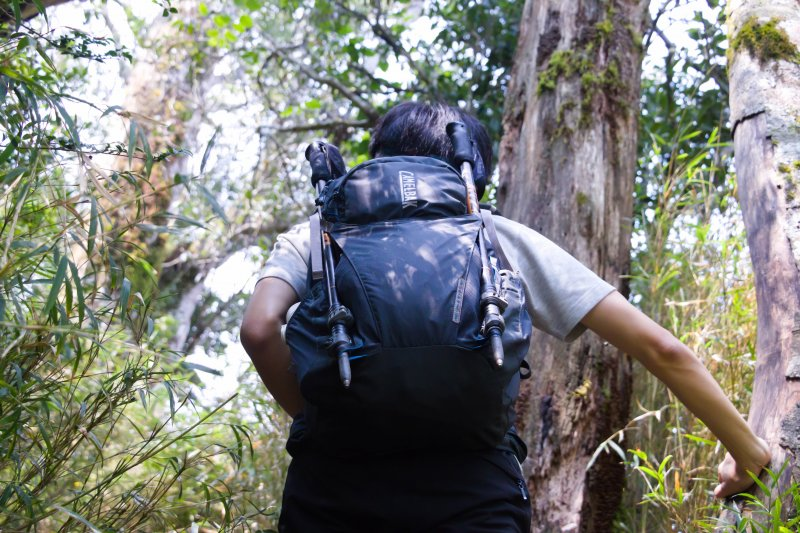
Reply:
x=17, y=14
x=79, y=518
x=6, y=153
x=58, y=279
x=614, y=446
x=148, y=162
x=215, y=207
x=44, y=56
x=124, y=297
x=111, y=109
x=202, y=368
x=12, y=174
x=71, y=129
x=76, y=279
x=207, y=151
x=92, y=226
x=42, y=10
x=171, y=395
x=131, y=142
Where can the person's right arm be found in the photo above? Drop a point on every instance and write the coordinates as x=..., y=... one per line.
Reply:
x=672, y=362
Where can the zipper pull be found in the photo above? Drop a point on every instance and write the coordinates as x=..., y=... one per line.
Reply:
x=522, y=489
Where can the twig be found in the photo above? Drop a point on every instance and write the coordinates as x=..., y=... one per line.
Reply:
x=329, y=125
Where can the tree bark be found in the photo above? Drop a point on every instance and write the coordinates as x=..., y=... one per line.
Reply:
x=765, y=112
x=567, y=162
x=28, y=10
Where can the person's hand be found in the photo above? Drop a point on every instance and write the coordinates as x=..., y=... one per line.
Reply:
x=733, y=477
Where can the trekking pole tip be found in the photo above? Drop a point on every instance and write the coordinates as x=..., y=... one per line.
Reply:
x=344, y=370
x=497, y=349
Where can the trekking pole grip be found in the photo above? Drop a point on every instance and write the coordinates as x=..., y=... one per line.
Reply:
x=318, y=159
x=462, y=146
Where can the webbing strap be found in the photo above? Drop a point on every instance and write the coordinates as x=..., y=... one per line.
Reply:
x=488, y=223
x=316, y=247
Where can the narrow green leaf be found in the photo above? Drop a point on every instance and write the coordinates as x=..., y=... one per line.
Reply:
x=76, y=279
x=73, y=131
x=67, y=296
x=17, y=14
x=6, y=153
x=45, y=435
x=171, y=395
x=614, y=446
x=43, y=55
x=13, y=174
x=94, y=440
x=79, y=518
x=188, y=221
x=124, y=297
x=92, y=226
x=58, y=279
x=148, y=161
x=42, y=10
x=202, y=368
x=131, y=142
x=663, y=464
x=650, y=472
x=207, y=151
x=215, y=207
x=143, y=398
x=112, y=109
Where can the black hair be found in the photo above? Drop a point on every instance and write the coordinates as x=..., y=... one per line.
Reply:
x=416, y=128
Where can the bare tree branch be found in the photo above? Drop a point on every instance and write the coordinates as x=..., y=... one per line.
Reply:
x=390, y=39
x=332, y=82
x=329, y=125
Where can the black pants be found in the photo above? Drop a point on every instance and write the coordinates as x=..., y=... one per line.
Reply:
x=410, y=492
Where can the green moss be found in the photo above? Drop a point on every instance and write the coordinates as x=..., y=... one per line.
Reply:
x=783, y=168
x=766, y=42
x=605, y=27
x=561, y=63
x=582, y=61
x=582, y=198
x=636, y=35
x=796, y=164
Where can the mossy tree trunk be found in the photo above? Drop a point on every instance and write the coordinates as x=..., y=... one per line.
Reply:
x=764, y=71
x=567, y=162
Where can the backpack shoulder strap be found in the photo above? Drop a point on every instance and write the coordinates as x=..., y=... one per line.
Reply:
x=488, y=223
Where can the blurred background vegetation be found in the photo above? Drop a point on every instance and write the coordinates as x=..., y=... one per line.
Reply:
x=150, y=152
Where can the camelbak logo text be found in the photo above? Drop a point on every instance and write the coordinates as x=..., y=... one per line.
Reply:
x=408, y=188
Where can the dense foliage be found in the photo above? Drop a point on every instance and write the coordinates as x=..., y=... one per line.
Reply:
x=119, y=206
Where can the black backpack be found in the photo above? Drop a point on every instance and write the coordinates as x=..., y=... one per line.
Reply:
x=407, y=266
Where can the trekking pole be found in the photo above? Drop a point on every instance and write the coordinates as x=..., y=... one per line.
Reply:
x=491, y=302
x=339, y=316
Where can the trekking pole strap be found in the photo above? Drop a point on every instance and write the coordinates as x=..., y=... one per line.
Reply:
x=316, y=247
x=488, y=223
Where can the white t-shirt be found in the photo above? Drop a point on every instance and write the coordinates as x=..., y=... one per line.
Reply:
x=559, y=290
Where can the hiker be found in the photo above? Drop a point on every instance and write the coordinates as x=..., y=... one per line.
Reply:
x=341, y=482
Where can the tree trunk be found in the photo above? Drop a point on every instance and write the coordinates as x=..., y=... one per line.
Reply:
x=27, y=10
x=764, y=71
x=567, y=162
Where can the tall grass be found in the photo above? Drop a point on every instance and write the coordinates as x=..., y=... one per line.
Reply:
x=691, y=273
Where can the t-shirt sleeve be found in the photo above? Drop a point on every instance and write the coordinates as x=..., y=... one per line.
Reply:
x=289, y=258
x=560, y=291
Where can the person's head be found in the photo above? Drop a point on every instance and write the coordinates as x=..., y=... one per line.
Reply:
x=414, y=128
